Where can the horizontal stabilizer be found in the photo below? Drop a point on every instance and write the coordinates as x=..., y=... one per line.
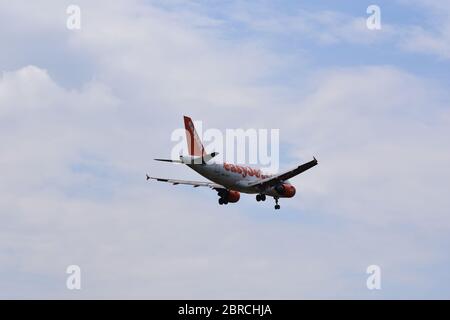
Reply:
x=169, y=160
x=197, y=159
x=208, y=157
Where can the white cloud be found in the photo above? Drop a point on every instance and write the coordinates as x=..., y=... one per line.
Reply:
x=329, y=27
x=433, y=35
x=381, y=134
x=418, y=39
x=325, y=27
x=73, y=160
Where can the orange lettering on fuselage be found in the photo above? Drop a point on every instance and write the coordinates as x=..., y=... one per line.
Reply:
x=244, y=171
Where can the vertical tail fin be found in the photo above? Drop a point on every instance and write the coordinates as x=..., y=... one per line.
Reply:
x=195, y=147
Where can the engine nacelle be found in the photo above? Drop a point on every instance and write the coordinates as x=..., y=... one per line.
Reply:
x=285, y=190
x=232, y=196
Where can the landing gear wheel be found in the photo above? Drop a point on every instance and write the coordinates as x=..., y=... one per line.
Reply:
x=220, y=201
x=260, y=197
x=277, y=206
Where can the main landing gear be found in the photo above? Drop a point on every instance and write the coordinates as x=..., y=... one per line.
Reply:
x=260, y=197
x=223, y=201
x=277, y=206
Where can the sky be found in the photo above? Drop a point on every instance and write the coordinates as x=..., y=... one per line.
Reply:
x=84, y=112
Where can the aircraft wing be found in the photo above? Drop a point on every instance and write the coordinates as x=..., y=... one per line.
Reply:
x=273, y=180
x=195, y=184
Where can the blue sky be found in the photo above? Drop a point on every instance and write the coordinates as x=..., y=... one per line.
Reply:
x=84, y=112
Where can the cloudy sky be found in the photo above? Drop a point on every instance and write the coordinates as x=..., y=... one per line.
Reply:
x=84, y=112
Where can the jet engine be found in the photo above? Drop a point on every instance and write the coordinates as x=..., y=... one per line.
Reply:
x=285, y=190
x=227, y=196
x=233, y=196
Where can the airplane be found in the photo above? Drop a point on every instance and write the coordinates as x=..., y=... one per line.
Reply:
x=230, y=180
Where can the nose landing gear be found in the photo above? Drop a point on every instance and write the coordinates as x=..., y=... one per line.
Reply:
x=262, y=197
x=277, y=206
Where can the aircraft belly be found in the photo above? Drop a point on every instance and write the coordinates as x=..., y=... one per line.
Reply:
x=215, y=173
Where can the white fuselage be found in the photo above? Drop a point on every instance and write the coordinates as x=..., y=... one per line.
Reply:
x=234, y=177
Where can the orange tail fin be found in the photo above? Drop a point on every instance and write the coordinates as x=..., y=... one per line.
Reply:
x=194, y=143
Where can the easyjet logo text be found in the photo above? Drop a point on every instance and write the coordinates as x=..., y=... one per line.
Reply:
x=244, y=171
